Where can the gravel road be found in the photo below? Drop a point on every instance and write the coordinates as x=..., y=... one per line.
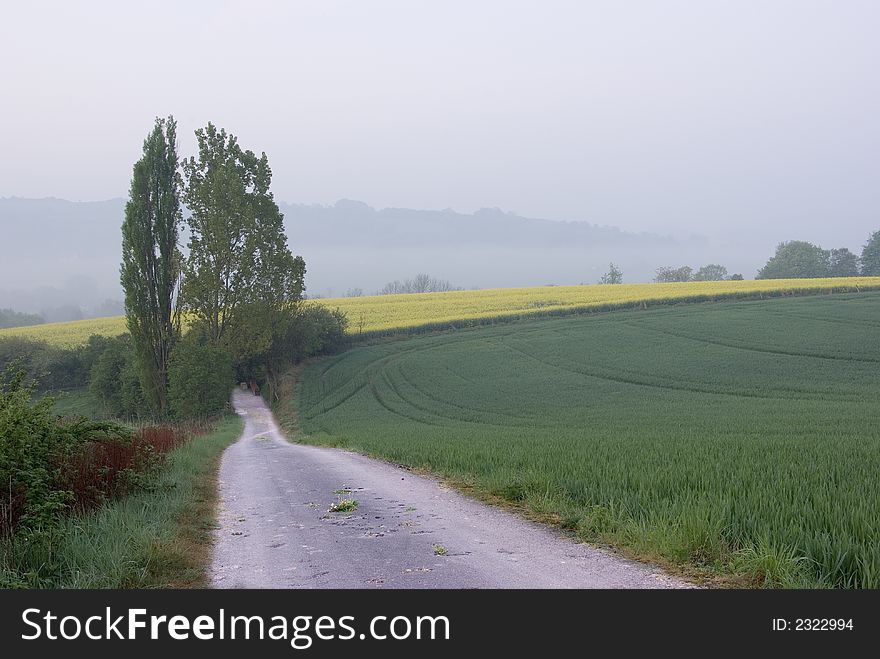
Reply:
x=407, y=531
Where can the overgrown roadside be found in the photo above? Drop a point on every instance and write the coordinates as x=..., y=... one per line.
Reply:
x=154, y=538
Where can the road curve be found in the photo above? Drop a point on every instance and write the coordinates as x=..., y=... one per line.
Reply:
x=408, y=531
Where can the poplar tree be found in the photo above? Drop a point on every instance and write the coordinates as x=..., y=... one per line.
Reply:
x=151, y=261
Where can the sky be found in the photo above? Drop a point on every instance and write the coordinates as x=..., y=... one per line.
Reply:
x=709, y=117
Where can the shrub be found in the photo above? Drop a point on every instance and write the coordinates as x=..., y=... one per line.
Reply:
x=114, y=380
x=200, y=378
x=35, y=448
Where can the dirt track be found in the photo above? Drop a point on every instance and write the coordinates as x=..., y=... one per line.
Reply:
x=408, y=531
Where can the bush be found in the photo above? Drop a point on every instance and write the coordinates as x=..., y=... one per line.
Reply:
x=27, y=355
x=35, y=448
x=316, y=330
x=114, y=379
x=200, y=378
x=51, y=368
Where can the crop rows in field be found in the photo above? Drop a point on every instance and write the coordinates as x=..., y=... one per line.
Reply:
x=390, y=314
x=740, y=437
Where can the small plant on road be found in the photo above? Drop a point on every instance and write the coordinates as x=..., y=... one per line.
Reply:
x=344, y=506
x=440, y=550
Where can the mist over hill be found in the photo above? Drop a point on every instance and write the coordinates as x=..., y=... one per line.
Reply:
x=61, y=258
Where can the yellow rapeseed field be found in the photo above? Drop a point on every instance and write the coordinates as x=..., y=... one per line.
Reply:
x=379, y=314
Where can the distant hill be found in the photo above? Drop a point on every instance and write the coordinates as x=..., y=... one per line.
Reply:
x=59, y=254
x=61, y=228
x=355, y=223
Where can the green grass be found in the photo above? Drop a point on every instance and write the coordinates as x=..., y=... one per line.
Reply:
x=731, y=438
x=76, y=402
x=155, y=538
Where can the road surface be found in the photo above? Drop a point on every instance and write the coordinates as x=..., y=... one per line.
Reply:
x=408, y=531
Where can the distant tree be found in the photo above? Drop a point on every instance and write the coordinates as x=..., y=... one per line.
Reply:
x=238, y=253
x=421, y=283
x=354, y=292
x=796, y=259
x=151, y=261
x=10, y=318
x=613, y=276
x=711, y=272
x=871, y=256
x=843, y=263
x=666, y=274
x=736, y=277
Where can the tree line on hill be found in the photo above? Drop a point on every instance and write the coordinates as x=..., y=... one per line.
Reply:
x=11, y=318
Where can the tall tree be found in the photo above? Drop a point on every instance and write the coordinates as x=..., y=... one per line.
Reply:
x=871, y=256
x=239, y=262
x=150, y=272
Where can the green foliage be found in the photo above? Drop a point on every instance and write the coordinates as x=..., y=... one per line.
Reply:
x=736, y=277
x=739, y=436
x=613, y=276
x=151, y=538
x=10, y=318
x=309, y=329
x=241, y=282
x=151, y=260
x=842, y=263
x=871, y=256
x=114, y=379
x=797, y=259
x=315, y=330
x=27, y=355
x=238, y=253
x=711, y=272
x=34, y=447
x=666, y=275
x=47, y=367
x=200, y=378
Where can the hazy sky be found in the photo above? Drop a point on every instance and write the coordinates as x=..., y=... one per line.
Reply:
x=699, y=115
